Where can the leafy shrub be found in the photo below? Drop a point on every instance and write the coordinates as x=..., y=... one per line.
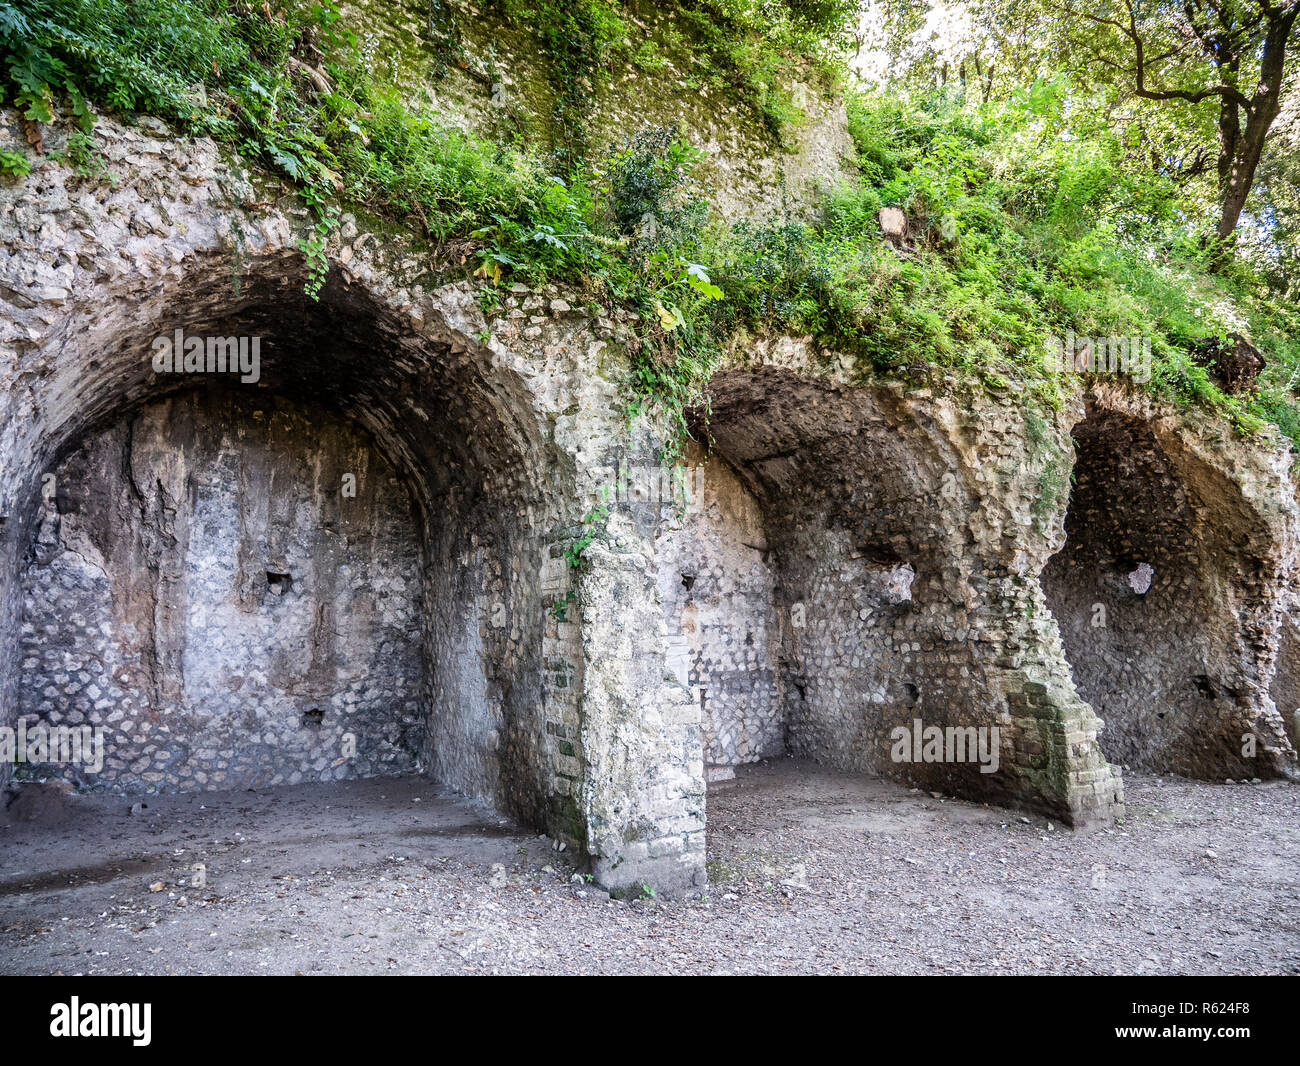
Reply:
x=1024, y=219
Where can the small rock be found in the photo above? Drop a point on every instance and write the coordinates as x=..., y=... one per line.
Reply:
x=893, y=223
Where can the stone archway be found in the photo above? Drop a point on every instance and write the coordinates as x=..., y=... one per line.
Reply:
x=813, y=534
x=443, y=451
x=498, y=422
x=1162, y=591
x=844, y=582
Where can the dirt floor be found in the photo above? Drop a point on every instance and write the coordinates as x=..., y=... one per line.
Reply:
x=810, y=871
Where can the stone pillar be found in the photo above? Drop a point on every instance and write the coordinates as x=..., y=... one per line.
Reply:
x=643, y=787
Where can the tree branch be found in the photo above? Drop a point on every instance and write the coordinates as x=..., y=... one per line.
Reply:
x=1139, y=74
x=1141, y=62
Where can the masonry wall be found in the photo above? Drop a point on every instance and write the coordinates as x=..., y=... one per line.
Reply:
x=206, y=589
x=1285, y=688
x=717, y=587
x=904, y=530
x=1166, y=590
x=459, y=421
x=1133, y=591
x=906, y=533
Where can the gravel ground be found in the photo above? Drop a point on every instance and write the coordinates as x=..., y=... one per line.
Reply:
x=810, y=871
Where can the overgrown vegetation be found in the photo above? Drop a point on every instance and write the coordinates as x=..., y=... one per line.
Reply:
x=748, y=45
x=748, y=48
x=578, y=37
x=1025, y=216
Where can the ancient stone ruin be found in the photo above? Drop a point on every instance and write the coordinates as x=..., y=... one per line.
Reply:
x=353, y=559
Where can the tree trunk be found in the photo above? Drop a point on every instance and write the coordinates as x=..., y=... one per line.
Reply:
x=1240, y=175
x=1237, y=169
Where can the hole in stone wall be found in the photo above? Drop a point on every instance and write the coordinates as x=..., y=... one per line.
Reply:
x=881, y=555
x=313, y=718
x=278, y=584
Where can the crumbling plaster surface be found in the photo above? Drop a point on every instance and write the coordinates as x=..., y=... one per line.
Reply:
x=205, y=588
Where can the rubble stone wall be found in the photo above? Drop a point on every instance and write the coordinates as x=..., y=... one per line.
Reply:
x=206, y=587
x=866, y=555
x=717, y=588
x=1169, y=591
